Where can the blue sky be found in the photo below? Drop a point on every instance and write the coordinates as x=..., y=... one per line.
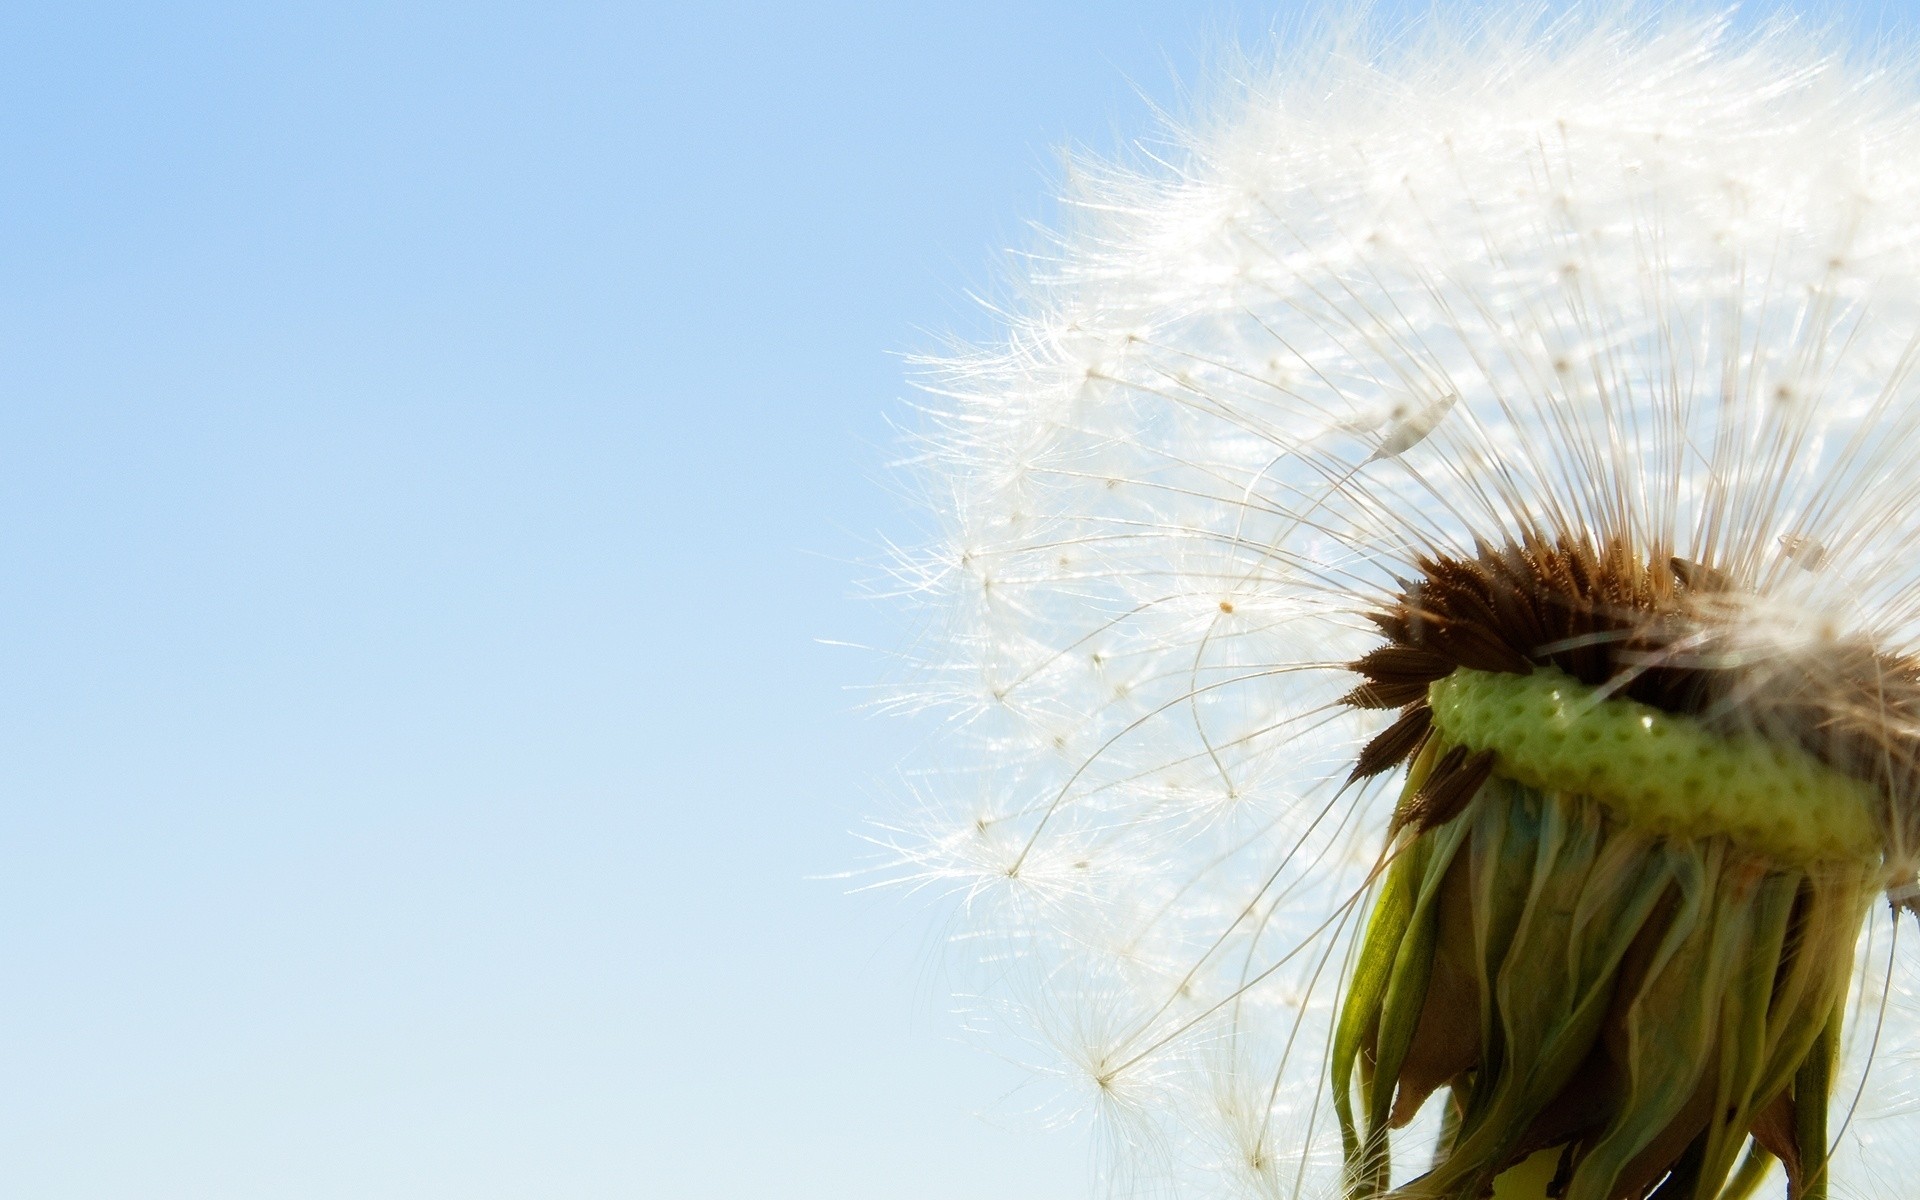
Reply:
x=434, y=443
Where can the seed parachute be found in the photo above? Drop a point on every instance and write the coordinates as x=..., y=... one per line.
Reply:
x=1427, y=607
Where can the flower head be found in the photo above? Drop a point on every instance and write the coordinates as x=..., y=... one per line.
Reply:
x=1430, y=615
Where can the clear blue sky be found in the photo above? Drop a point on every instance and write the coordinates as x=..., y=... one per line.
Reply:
x=431, y=445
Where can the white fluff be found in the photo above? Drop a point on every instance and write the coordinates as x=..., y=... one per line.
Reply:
x=1659, y=280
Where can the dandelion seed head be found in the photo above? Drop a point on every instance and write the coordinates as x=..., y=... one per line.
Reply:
x=1634, y=301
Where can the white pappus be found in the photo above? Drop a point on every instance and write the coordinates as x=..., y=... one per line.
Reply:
x=1641, y=293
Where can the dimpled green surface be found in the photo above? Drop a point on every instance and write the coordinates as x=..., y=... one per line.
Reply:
x=1660, y=771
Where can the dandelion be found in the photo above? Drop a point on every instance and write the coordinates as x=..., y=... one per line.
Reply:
x=1429, y=611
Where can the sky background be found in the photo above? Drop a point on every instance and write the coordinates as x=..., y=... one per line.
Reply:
x=436, y=443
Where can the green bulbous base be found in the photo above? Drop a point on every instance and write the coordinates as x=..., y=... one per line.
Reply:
x=1656, y=770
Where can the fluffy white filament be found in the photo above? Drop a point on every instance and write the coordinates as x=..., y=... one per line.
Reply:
x=1660, y=283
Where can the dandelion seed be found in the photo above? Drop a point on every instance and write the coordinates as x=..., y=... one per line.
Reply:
x=1430, y=613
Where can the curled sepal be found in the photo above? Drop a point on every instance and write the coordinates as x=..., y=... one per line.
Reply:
x=1614, y=1014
